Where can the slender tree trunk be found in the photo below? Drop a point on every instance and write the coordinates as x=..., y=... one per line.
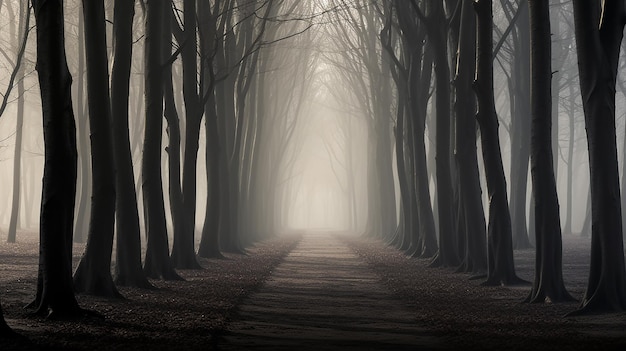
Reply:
x=501, y=268
x=570, y=165
x=474, y=258
x=520, y=133
x=128, y=270
x=548, y=285
x=183, y=250
x=17, y=161
x=24, y=23
x=157, y=264
x=209, y=243
x=82, y=216
x=55, y=292
x=93, y=275
x=598, y=42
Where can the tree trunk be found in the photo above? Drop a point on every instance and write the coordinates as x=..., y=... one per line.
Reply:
x=520, y=131
x=570, y=165
x=55, y=292
x=128, y=270
x=81, y=227
x=437, y=29
x=209, y=245
x=474, y=259
x=157, y=263
x=93, y=275
x=209, y=242
x=548, y=285
x=183, y=250
x=598, y=49
x=17, y=154
x=17, y=162
x=501, y=268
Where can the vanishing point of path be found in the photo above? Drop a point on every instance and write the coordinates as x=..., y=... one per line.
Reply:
x=323, y=296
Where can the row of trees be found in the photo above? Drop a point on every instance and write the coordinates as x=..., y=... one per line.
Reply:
x=209, y=62
x=444, y=51
x=218, y=53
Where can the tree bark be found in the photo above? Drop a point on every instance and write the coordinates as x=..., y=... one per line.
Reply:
x=128, y=270
x=520, y=132
x=437, y=30
x=17, y=163
x=501, y=268
x=474, y=259
x=598, y=41
x=157, y=264
x=93, y=275
x=183, y=250
x=55, y=292
x=209, y=242
x=81, y=227
x=548, y=285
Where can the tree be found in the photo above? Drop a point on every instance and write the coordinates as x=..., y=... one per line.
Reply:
x=17, y=154
x=81, y=227
x=501, y=268
x=474, y=259
x=437, y=31
x=598, y=43
x=183, y=251
x=55, y=292
x=520, y=124
x=93, y=275
x=128, y=270
x=209, y=243
x=157, y=264
x=420, y=73
x=548, y=285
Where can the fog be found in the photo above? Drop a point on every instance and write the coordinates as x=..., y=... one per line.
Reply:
x=388, y=174
x=322, y=169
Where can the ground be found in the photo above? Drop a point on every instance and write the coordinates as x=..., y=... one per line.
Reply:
x=323, y=290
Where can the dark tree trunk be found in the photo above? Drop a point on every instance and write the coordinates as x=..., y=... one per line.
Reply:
x=548, y=285
x=405, y=227
x=501, y=268
x=420, y=62
x=183, y=250
x=93, y=275
x=17, y=162
x=598, y=48
x=570, y=166
x=437, y=29
x=55, y=292
x=128, y=270
x=209, y=242
x=474, y=259
x=229, y=241
x=427, y=242
x=157, y=263
x=82, y=212
x=174, y=141
x=520, y=133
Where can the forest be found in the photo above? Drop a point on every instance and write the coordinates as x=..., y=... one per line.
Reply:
x=184, y=158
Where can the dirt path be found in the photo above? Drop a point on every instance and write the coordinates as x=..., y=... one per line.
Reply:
x=324, y=296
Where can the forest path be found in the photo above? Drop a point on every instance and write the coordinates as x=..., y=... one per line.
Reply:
x=323, y=296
